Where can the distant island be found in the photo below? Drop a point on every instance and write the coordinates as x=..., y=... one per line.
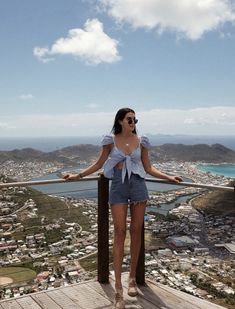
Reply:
x=72, y=155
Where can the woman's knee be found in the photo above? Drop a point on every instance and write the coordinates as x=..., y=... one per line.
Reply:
x=120, y=233
x=135, y=229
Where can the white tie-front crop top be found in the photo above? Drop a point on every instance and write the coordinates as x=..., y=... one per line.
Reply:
x=131, y=163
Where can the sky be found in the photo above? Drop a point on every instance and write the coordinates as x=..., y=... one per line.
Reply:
x=67, y=66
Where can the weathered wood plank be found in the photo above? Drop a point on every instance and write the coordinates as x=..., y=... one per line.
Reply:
x=107, y=291
x=62, y=300
x=164, y=300
x=161, y=296
x=190, y=300
x=104, y=289
x=86, y=297
x=139, y=301
x=10, y=304
x=28, y=303
x=44, y=301
x=92, y=299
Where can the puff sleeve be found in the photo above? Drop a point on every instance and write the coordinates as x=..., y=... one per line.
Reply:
x=144, y=141
x=106, y=140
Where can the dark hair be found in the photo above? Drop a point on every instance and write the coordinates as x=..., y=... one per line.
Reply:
x=117, y=128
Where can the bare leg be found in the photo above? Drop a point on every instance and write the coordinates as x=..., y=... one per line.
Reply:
x=137, y=219
x=119, y=213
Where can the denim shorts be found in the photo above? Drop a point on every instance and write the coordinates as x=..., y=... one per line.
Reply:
x=133, y=190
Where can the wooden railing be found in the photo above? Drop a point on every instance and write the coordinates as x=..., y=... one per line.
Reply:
x=103, y=219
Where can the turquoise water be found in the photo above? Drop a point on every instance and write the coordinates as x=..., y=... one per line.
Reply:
x=227, y=170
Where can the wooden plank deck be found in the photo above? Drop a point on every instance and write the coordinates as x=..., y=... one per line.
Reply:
x=93, y=295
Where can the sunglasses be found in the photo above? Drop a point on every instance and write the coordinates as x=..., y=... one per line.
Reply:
x=132, y=120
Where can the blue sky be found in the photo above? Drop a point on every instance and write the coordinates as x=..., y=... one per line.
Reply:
x=68, y=66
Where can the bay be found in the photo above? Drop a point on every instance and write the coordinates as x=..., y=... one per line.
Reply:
x=88, y=189
x=227, y=170
x=164, y=208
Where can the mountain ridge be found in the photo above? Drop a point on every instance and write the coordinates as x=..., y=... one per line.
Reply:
x=215, y=153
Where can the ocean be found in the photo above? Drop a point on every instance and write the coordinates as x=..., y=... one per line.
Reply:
x=227, y=170
x=45, y=144
x=54, y=143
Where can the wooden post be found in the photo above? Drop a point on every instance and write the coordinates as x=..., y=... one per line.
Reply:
x=234, y=191
x=140, y=271
x=103, y=229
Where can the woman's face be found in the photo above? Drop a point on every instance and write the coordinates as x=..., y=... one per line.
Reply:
x=129, y=122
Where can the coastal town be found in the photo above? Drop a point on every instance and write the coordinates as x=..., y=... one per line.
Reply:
x=186, y=249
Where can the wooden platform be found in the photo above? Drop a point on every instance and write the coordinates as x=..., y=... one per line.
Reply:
x=92, y=295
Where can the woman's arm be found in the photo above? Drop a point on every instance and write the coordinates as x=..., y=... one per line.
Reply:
x=103, y=156
x=151, y=170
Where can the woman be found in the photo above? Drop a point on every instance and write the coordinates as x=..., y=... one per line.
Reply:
x=125, y=158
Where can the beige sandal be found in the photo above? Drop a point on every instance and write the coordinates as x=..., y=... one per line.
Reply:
x=119, y=301
x=132, y=287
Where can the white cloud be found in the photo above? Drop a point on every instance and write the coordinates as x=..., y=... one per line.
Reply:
x=189, y=121
x=91, y=45
x=208, y=120
x=224, y=116
x=43, y=54
x=219, y=120
x=6, y=126
x=188, y=18
x=93, y=106
x=27, y=96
